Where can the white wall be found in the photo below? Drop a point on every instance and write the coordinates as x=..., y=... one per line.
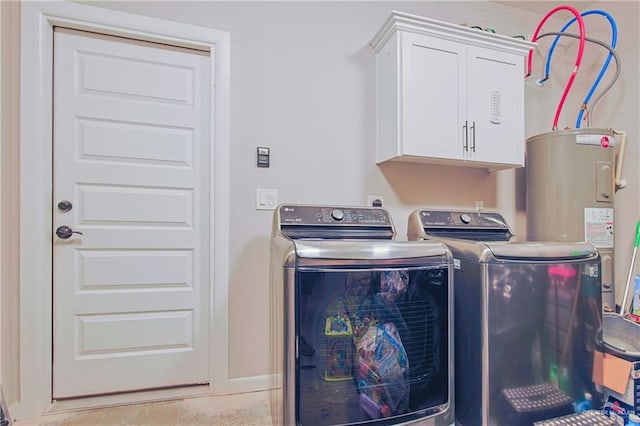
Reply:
x=303, y=84
x=9, y=219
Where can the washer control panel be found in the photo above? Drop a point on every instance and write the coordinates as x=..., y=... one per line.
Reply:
x=334, y=216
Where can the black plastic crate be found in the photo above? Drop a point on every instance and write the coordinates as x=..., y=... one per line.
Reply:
x=525, y=405
x=586, y=418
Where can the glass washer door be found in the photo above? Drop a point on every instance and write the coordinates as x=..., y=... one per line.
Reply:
x=372, y=343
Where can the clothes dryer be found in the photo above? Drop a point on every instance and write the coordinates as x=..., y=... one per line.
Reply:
x=526, y=316
x=360, y=322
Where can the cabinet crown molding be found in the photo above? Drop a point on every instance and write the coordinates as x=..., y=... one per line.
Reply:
x=401, y=21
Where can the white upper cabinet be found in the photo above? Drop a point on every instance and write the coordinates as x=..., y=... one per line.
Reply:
x=449, y=94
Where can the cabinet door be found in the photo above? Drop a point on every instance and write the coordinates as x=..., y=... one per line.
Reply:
x=433, y=97
x=495, y=106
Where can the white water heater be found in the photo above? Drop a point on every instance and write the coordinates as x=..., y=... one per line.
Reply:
x=570, y=193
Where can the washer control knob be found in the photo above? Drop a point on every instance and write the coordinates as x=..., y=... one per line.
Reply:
x=465, y=218
x=337, y=214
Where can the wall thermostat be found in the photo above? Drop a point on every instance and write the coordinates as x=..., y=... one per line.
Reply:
x=263, y=157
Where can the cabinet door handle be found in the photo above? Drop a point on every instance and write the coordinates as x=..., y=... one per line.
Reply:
x=465, y=145
x=473, y=136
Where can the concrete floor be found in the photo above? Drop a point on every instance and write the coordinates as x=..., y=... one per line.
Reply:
x=249, y=409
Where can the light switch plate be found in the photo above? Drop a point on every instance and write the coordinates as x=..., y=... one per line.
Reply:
x=266, y=199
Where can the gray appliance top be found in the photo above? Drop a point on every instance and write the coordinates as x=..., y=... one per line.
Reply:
x=348, y=234
x=485, y=236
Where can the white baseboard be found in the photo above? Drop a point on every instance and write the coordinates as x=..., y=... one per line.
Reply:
x=248, y=384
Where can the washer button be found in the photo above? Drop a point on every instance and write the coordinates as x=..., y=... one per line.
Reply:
x=337, y=214
x=465, y=218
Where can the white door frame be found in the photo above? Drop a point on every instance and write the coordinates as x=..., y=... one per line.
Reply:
x=38, y=20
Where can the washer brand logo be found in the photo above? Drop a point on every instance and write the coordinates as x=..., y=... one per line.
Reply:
x=604, y=142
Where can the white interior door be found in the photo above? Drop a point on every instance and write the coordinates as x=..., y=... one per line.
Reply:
x=131, y=156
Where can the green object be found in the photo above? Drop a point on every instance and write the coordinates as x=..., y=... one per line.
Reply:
x=559, y=376
x=563, y=381
x=624, y=311
x=553, y=374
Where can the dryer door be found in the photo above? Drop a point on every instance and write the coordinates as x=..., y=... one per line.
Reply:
x=542, y=322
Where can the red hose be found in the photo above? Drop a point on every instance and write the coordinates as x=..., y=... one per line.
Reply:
x=578, y=58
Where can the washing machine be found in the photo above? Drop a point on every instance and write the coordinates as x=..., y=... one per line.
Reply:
x=526, y=317
x=360, y=322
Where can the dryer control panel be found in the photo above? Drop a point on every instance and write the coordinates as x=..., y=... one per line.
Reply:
x=465, y=219
x=468, y=225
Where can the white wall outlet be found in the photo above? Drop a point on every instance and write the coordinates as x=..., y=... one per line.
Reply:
x=375, y=200
x=479, y=205
x=266, y=199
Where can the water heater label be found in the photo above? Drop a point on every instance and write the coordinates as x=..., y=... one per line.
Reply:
x=598, y=227
x=604, y=141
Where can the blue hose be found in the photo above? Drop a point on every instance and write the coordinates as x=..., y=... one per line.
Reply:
x=614, y=40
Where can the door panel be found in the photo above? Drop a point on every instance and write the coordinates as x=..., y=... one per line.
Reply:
x=147, y=79
x=113, y=143
x=131, y=293
x=108, y=204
